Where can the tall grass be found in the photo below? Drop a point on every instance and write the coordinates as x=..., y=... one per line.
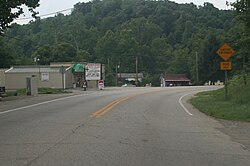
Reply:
x=239, y=93
x=236, y=107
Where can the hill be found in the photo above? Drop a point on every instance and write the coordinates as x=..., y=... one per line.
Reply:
x=165, y=36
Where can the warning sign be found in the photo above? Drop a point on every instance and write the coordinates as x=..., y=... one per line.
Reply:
x=226, y=65
x=225, y=51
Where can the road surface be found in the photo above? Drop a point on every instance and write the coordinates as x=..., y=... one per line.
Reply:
x=122, y=127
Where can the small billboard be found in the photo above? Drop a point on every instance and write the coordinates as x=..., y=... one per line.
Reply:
x=93, y=71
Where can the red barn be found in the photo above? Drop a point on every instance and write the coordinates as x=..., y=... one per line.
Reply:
x=174, y=80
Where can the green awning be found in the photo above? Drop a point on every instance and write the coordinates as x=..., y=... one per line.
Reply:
x=78, y=68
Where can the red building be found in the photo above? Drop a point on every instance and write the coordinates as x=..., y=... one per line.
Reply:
x=174, y=80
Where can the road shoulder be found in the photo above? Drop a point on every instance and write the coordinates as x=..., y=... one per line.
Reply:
x=14, y=102
x=236, y=130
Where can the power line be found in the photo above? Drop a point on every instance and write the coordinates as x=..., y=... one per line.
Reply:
x=44, y=15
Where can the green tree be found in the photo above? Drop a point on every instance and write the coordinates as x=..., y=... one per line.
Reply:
x=242, y=8
x=143, y=30
x=44, y=54
x=82, y=56
x=64, y=52
x=5, y=59
x=127, y=49
x=11, y=9
x=161, y=52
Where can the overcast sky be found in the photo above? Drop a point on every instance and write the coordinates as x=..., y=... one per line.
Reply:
x=52, y=6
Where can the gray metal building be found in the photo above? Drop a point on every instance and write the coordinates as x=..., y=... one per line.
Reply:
x=60, y=75
x=46, y=76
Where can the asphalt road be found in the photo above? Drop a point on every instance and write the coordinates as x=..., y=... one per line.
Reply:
x=123, y=127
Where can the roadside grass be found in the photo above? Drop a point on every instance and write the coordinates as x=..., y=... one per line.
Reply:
x=22, y=92
x=18, y=92
x=236, y=107
x=51, y=91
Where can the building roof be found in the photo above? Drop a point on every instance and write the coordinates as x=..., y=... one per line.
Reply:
x=34, y=69
x=175, y=77
x=129, y=75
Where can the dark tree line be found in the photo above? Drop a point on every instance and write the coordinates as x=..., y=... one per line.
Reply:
x=165, y=36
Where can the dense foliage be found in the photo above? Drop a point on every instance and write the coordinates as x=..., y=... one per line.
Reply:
x=11, y=9
x=165, y=37
x=242, y=8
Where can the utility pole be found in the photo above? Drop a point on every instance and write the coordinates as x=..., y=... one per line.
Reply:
x=37, y=61
x=108, y=63
x=62, y=68
x=197, y=68
x=119, y=71
x=244, y=70
x=226, y=85
x=136, y=68
x=116, y=74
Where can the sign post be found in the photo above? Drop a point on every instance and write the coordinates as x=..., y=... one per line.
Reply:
x=226, y=52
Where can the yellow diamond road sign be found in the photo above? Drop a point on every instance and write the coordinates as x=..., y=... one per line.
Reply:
x=225, y=51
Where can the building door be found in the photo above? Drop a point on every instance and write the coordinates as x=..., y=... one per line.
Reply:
x=79, y=80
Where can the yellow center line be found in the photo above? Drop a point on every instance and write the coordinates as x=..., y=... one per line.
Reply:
x=104, y=108
x=107, y=107
x=111, y=105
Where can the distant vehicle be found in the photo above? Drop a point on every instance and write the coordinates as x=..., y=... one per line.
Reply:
x=125, y=85
x=128, y=85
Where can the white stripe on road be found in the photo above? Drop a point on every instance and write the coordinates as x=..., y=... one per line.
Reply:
x=180, y=101
x=42, y=103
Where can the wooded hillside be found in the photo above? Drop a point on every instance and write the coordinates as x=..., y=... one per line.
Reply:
x=165, y=36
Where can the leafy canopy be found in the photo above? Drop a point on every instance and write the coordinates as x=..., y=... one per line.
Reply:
x=163, y=35
x=11, y=9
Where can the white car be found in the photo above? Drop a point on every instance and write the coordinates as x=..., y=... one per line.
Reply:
x=125, y=85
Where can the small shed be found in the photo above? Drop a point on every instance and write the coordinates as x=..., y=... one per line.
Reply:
x=174, y=80
x=54, y=77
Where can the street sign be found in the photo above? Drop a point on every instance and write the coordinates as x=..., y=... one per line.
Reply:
x=225, y=52
x=93, y=71
x=226, y=65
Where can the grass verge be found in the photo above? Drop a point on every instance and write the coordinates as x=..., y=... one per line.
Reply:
x=22, y=92
x=236, y=108
x=51, y=91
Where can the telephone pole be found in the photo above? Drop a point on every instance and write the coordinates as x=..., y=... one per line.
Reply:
x=197, y=68
x=136, y=66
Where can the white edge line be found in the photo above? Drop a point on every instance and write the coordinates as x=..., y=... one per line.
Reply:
x=180, y=101
x=46, y=102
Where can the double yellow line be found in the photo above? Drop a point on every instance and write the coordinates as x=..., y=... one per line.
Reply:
x=111, y=105
x=108, y=107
